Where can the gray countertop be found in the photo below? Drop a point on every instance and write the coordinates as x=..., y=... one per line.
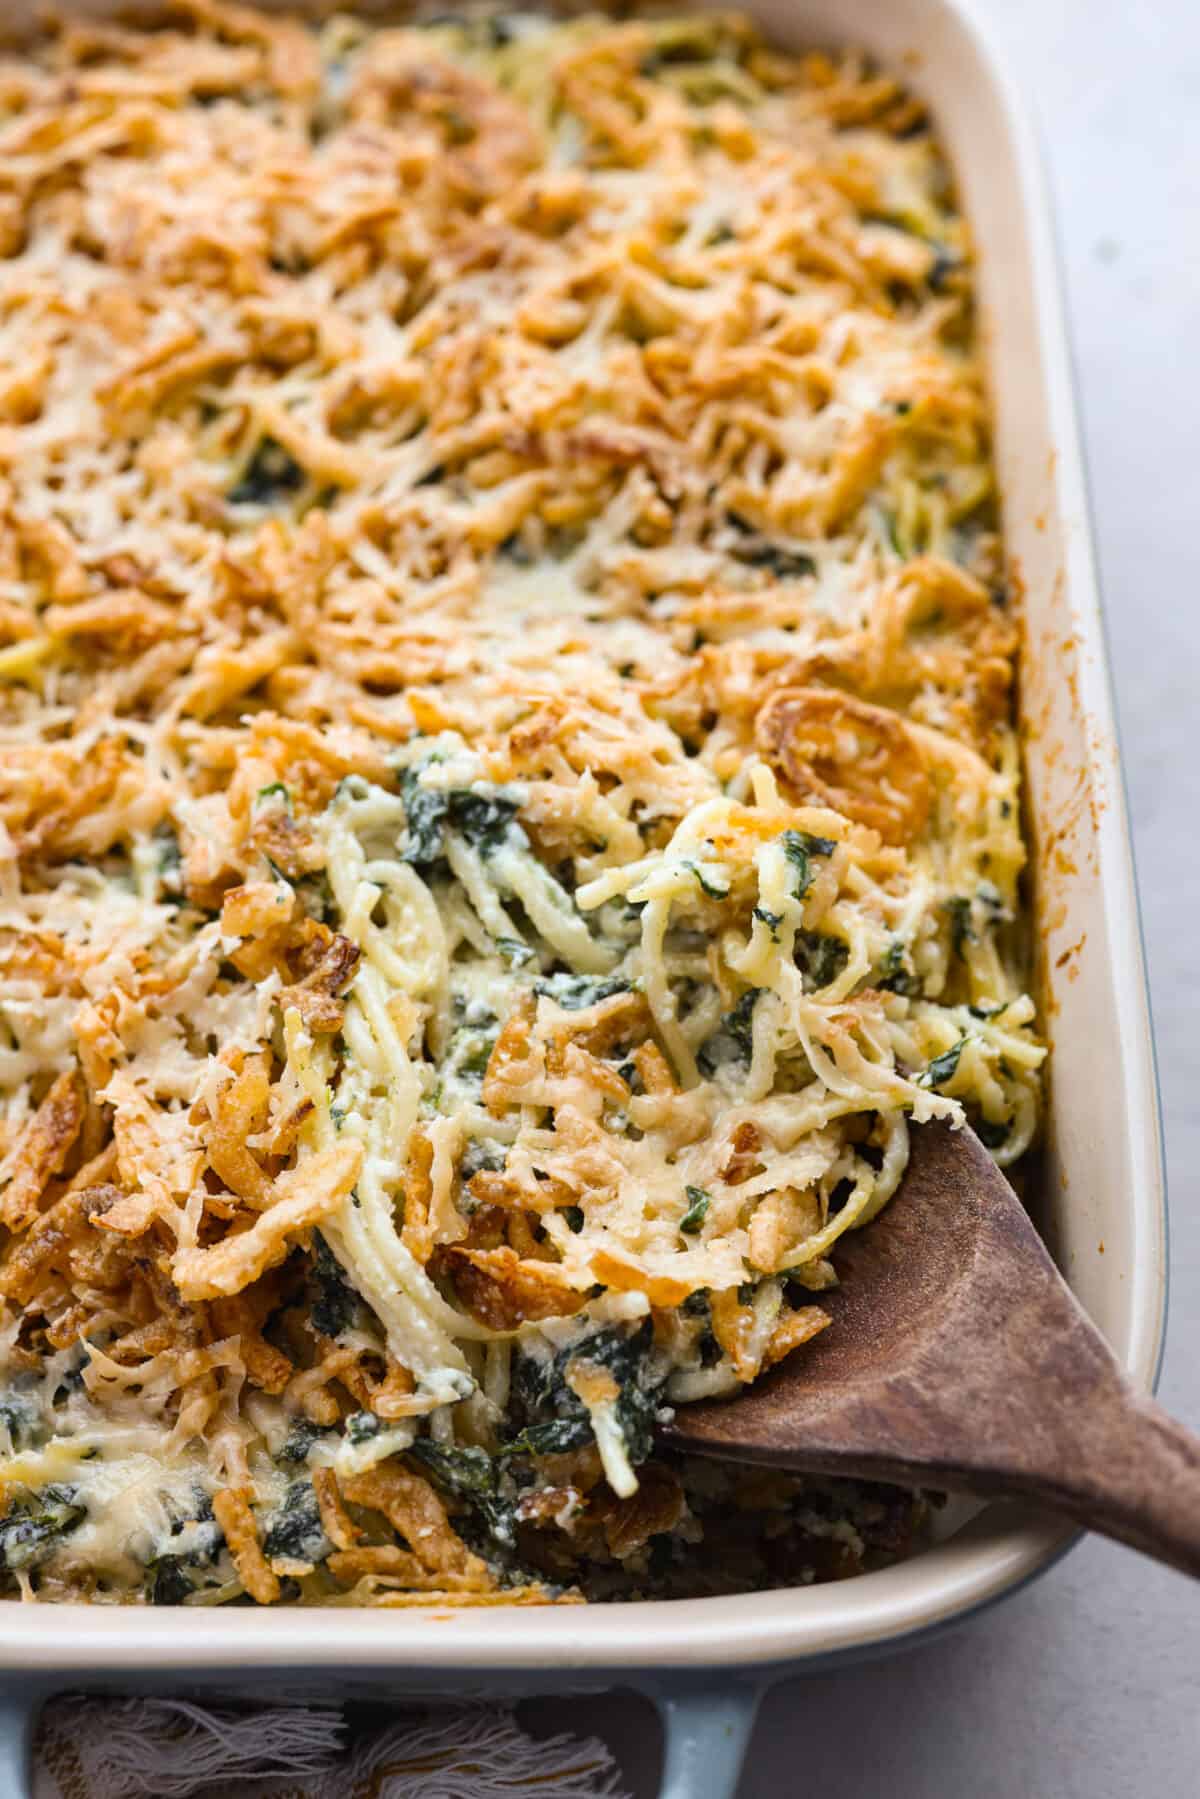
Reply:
x=1085, y=1686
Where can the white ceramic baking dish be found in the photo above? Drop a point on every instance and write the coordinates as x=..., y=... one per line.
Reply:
x=1101, y=1188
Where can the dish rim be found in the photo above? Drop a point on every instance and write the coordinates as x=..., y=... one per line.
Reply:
x=998, y=1551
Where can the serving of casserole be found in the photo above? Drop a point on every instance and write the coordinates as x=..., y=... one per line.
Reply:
x=512, y=801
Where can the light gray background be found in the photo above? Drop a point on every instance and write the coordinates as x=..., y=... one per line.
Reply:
x=1088, y=1685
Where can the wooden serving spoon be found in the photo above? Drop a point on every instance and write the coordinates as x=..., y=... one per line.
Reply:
x=958, y=1358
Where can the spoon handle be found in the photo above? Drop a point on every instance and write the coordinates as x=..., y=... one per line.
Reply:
x=1102, y=1455
x=1122, y=1467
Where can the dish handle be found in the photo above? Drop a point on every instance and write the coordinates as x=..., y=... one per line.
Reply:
x=19, y=1708
x=706, y=1731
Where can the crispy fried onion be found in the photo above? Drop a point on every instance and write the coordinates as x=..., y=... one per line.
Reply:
x=504, y=1290
x=737, y=1327
x=414, y=1510
x=303, y=1196
x=41, y=1151
x=232, y=1511
x=859, y=759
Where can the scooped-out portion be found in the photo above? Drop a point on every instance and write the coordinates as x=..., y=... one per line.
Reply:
x=509, y=802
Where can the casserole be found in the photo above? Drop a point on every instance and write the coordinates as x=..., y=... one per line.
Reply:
x=626, y=847
x=1091, y=989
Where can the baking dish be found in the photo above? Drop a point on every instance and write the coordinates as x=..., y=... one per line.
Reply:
x=1101, y=1187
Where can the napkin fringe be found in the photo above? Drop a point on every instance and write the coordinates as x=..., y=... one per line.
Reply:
x=150, y=1748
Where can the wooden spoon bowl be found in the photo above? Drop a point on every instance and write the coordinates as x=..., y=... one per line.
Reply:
x=959, y=1359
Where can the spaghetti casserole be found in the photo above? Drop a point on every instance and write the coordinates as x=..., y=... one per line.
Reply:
x=508, y=793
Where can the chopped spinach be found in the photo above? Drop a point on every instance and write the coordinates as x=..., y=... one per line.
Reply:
x=800, y=847
x=556, y=1437
x=197, y=1536
x=479, y=1155
x=889, y=525
x=295, y=1530
x=469, y=1052
x=992, y=1136
x=270, y=474
x=698, y=1203
x=21, y=1417
x=362, y=1426
x=821, y=958
x=945, y=264
x=515, y=953
x=425, y=810
x=334, y=1308
x=460, y=1470
x=500, y=30
x=740, y=1022
x=991, y=899
x=315, y=895
x=943, y=1068
x=200, y=1511
x=470, y=1474
x=169, y=857
x=165, y=1582
x=71, y=1382
x=573, y=992
x=757, y=550
x=574, y=1218
x=958, y=911
x=895, y=972
x=788, y=565
x=707, y=887
x=513, y=550
x=35, y=1523
x=483, y=819
x=300, y=1439
x=772, y=920
x=557, y=1420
